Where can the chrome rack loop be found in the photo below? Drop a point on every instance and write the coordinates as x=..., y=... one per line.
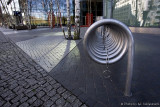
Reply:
x=117, y=38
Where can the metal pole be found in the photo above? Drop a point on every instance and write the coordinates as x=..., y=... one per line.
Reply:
x=129, y=68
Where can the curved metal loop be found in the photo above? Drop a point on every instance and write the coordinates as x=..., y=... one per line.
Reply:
x=119, y=41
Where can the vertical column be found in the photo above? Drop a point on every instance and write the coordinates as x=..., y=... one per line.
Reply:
x=104, y=9
x=107, y=9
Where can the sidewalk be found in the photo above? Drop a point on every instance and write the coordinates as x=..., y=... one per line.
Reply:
x=77, y=72
x=24, y=83
x=87, y=79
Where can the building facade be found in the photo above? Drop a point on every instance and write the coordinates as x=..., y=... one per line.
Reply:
x=134, y=12
x=143, y=13
x=131, y=12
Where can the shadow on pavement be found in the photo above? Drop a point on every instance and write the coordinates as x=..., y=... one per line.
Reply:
x=86, y=79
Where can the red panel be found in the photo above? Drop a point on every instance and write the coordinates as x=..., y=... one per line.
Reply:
x=53, y=18
x=89, y=19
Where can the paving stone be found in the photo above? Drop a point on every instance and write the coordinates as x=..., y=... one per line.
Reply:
x=17, y=88
x=48, y=103
x=77, y=103
x=48, y=78
x=35, y=86
x=10, y=96
x=67, y=105
x=41, y=82
x=24, y=99
x=17, y=98
x=12, y=86
x=45, y=98
x=48, y=88
x=2, y=102
x=37, y=103
x=31, y=100
x=7, y=104
x=57, y=85
x=31, y=93
x=71, y=98
x=20, y=91
x=15, y=104
x=51, y=93
x=40, y=94
x=31, y=81
x=7, y=93
x=24, y=105
x=54, y=105
x=52, y=82
x=66, y=94
x=54, y=98
x=60, y=102
x=60, y=90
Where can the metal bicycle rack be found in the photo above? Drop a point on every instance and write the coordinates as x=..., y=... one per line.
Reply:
x=106, y=41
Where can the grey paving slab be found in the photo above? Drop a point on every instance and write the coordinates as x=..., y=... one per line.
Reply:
x=24, y=83
x=22, y=35
x=11, y=31
x=84, y=77
x=3, y=38
x=47, y=51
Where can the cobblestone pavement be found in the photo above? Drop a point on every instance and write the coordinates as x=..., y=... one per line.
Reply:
x=24, y=83
x=47, y=48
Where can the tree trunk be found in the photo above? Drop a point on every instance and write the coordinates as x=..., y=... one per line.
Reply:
x=1, y=15
x=77, y=19
x=136, y=12
x=68, y=20
x=8, y=17
x=61, y=20
x=145, y=17
x=51, y=14
x=30, y=12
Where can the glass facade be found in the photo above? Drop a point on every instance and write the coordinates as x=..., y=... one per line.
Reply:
x=94, y=7
x=41, y=10
x=91, y=9
x=138, y=13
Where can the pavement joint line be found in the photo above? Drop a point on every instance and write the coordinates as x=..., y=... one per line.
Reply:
x=48, y=56
x=33, y=75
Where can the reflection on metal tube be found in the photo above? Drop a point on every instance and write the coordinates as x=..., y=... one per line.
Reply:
x=106, y=41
